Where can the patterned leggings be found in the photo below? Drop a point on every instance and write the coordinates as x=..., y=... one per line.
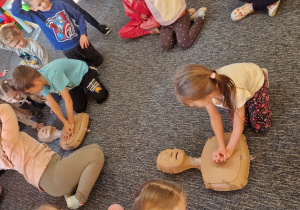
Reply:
x=258, y=109
x=182, y=31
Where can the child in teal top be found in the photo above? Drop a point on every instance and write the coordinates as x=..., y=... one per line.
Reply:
x=71, y=78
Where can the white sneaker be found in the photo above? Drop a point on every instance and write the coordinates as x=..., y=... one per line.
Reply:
x=273, y=8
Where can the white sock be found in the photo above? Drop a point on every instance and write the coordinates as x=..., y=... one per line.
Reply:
x=73, y=203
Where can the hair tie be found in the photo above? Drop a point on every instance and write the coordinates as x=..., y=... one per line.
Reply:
x=213, y=75
x=5, y=81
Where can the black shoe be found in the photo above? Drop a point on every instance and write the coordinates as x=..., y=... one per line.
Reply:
x=104, y=29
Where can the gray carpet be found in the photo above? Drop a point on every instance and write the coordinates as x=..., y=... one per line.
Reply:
x=142, y=116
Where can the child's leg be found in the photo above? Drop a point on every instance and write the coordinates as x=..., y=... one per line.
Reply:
x=80, y=169
x=167, y=37
x=132, y=30
x=90, y=55
x=259, y=108
x=185, y=34
x=92, y=84
x=79, y=99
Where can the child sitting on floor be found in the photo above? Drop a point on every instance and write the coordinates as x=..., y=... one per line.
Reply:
x=30, y=51
x=73, y=176
x=253, y=5
x=55, y=20
x=61, y=75
x=242, y=88
x=175, y=21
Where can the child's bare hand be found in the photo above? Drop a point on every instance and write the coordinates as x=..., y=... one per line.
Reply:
x=39, y=126
x=84, y=42
x=219, y=155
x=68, y=131
x=4, y=72
x=143, y=16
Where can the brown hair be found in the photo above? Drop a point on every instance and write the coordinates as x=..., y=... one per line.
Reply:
x=193, y=82
x=6, y=86
x=8, y=33
x=23, y=77
x=157, y=194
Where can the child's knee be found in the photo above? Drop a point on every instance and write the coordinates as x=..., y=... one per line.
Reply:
x=166, y=46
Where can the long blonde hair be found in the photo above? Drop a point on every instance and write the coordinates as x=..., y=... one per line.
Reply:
x=194, y=82
x=158, y=195
x=6, y=86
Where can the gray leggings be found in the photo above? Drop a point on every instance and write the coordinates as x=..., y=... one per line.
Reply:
x=80, y=169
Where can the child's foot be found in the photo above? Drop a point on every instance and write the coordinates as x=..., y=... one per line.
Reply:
x=72, y=202
x=241, y=12
x=154, y=30
x=192, y=11
x=267, y=75
x=273, y=8
x=200, y=13
x=104, y=29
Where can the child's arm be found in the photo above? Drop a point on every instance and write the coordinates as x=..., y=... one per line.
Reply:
x=9, y=133
x=238, y=127
x=10, y=127
x=218, y=155
x=17, y=11
x=56, y=109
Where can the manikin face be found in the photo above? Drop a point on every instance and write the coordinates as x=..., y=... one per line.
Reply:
x=12, y=96
x=18, y=42
x=170, y=159
x=42, y=5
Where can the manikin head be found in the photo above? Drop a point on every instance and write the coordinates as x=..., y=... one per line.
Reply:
x=173, y=161
x=48, y=133
x=158, y=194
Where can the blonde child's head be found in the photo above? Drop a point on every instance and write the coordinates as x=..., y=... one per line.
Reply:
x=197, y=82
x=41, y=5
x=27, y=79
x=10, y=36
x=158, y=194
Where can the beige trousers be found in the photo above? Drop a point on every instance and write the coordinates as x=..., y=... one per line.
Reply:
x=80, y=169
